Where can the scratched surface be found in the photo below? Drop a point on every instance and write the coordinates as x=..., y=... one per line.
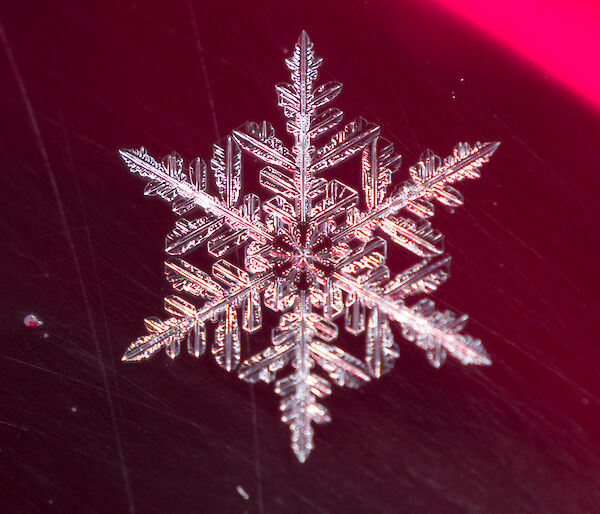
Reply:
x=82, y=250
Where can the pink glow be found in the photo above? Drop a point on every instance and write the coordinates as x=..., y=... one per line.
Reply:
x=561, y=37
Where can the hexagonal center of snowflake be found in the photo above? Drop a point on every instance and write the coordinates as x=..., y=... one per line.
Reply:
x=302, y=254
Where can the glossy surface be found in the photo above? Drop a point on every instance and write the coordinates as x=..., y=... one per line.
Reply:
x=83, y=433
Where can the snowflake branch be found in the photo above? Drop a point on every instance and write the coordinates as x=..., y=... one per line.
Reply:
x=300, y=390
x=259, y=141
x=177, y=328
x=304, y=72
x=427, y=330
x=140, y=162
x=425, y=184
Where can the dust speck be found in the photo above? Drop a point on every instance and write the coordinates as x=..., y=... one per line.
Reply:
x=242, y=492
x=32, y=321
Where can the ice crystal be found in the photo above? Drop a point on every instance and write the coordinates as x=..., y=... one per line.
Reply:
x=313, y=251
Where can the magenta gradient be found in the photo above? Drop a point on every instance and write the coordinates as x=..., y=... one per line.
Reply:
x=560, y=37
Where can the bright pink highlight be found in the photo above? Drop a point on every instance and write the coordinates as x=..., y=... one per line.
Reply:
x=561, y=37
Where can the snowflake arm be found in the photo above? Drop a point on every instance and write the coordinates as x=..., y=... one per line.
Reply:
x=184, y=192
x=302, y=339
x=187, y=318
x=434, y=331
x=430, y=180
x=301, y=103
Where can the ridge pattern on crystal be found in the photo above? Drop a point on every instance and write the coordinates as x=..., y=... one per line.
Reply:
x=314, y=251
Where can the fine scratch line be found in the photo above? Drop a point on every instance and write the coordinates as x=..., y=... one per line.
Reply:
x=257, y=450
x=204, y=71
x=46, y=160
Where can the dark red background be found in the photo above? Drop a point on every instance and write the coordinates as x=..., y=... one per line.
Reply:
x=83, y=249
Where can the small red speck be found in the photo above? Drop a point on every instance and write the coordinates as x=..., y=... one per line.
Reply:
x=32, y=321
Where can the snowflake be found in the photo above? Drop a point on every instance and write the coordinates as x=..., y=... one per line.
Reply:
x=310, y=253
